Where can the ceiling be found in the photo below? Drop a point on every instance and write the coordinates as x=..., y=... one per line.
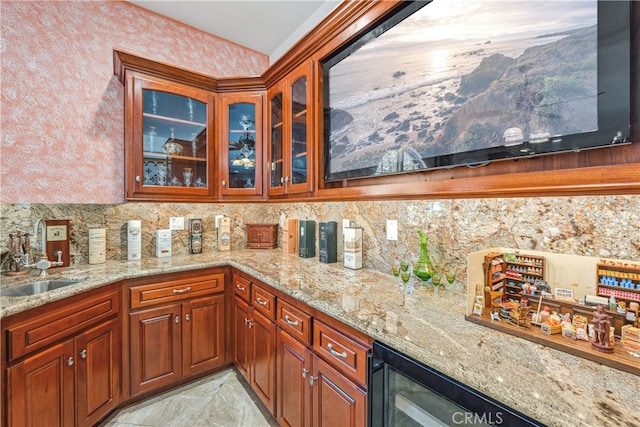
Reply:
x=269, y=27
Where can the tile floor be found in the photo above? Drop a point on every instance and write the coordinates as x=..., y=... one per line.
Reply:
x=221, y=399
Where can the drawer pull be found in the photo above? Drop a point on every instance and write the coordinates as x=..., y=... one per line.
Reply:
x=182, y=291
x=289, y=321
x=335, y=353
x=261, y=301
x=240, y=288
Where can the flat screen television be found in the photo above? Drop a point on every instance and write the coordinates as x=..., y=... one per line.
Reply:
x=446, y=83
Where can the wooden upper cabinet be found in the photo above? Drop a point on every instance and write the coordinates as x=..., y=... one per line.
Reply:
x=169, y=143
x=290, y=141
x=241, y=144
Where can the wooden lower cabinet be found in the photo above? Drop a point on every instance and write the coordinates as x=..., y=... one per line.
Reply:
x=241, y=335
x=294, y=389
x=42, y=389
x=312, y=392
x=155, y=352
x=171, y=341
x=337, y=401
x=76, y=382
x=254, y=351
x=263, y=357
x=98, y=372
x=61, y=363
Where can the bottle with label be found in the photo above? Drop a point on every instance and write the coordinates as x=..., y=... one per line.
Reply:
x=97, y=245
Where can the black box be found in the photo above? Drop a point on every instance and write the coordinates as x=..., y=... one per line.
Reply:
x=306, y=239
x=328, y=241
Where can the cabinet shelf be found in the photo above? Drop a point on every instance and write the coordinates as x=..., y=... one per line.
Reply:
x=624, y=281
x=174, y=120
x=161, y=156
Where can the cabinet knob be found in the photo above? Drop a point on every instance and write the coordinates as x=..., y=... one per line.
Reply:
x=304, y=372
x=223, y=183
x=83, y=354
x=137, y=178
x=312, y=379
x=187, y=317
x=281, y=180
x=177, y=319
x=70, y=361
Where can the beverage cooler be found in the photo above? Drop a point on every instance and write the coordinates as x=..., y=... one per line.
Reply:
x=405, y=392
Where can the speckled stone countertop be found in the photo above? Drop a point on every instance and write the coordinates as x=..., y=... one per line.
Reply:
x=553, y=387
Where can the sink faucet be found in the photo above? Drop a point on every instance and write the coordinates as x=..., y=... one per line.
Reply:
x=43, y=264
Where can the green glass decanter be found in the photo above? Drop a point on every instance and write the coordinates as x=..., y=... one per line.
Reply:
x=423, y=268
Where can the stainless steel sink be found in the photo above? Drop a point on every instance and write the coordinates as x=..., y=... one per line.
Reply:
x=38, y=287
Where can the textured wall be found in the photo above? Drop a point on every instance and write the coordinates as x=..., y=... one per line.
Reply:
x=589, y=226
x=62, y=108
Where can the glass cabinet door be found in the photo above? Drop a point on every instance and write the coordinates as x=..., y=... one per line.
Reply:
x=241, y=167
x=290, y=128
x=298, y=148
x=175, y=140
x=276, y=125
x=170, y=143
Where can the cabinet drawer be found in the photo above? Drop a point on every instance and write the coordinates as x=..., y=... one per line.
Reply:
x=242, y=287
x=263, y=301
x=175, y=290
x=295, y=322
x=41, y=330
x=345, y=354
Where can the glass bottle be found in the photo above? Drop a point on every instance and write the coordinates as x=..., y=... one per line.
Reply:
x=423, y=268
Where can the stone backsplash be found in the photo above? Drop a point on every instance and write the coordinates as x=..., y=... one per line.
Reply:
x=599, y=226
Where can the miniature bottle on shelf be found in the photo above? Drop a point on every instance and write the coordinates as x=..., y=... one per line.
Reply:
x=152, y=136
x=612, y=302
x=423, y=268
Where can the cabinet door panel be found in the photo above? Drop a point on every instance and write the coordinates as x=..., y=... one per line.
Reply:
x=241, y=355
x=169, y=153
x=42, y=389
x=241, y=144
x=294, y=390
x=263, y=372
x=98, y=372
x=155, y=347
x=203, y=334
x=336, y=400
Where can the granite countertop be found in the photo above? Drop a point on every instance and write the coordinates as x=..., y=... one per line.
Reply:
x=553, y=387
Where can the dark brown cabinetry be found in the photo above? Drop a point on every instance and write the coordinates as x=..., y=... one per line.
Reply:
x=262, y=236
x=255, y=339
x=176, y=329
x=169, y=145
x=337, y=399
x=290, y=147
x=63, y=364
x=320, y=364
x=241, y=144
x=295, y=367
